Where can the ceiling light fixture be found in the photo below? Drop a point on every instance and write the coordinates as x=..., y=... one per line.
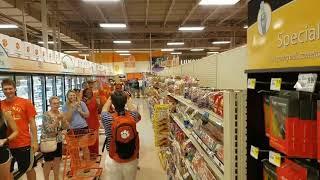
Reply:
x=175, y=43
x=122, y=42
x=218, y=2
x=195, y=28
x=221, y=42
x=212, y=52
x=245, y=27
x=128, y=54
x=71, y=52
x=196, y=50
x=112, y=25
x=176, y=53
x=49, y=42
x=8, y=26
x=167, y=50
x=122, y=51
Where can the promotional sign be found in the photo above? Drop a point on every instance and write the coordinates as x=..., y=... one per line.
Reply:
x=130, y=62
x=3, y=58
x=283, y=34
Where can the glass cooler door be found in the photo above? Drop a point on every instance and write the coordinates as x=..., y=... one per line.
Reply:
x=50, y=89
x=59, y=88
x=67, y=84
x=39, y=97
x=24, y=89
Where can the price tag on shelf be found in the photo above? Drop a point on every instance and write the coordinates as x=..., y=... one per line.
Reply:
x=275, y=158
x=251, y=83
x=275, y=84
x=306, y=82
x=254, y=152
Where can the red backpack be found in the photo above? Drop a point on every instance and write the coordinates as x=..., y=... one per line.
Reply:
x=124, y=144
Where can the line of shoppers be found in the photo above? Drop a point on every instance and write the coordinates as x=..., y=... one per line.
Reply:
x=79, y=113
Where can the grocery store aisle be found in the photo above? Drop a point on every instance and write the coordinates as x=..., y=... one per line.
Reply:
x=149, y=163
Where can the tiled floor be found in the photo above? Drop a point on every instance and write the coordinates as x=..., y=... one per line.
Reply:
x=150, y=168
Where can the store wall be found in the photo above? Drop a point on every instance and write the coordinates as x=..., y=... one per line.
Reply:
x=230, y=69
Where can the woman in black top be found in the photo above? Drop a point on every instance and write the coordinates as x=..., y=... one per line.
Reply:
x=6, y=122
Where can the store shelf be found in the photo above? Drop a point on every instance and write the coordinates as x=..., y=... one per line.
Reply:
x=190, y=169
x=212, y=163
x=178, y=174
x=212, y=116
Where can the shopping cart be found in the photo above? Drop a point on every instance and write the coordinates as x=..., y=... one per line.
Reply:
x=79, y=162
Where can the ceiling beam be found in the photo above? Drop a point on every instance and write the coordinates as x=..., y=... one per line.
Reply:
x=169, y=12
x=194, y=7
x=101, y=14
x=77, y=13
x=147, y=13
x=209, y=16
x=124, y=12
x=244, y=5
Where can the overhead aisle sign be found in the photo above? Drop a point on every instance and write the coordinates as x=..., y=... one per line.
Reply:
x=283, y=34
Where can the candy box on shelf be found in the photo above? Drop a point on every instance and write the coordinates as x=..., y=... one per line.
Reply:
x=50, y=56
x=4, y=40
x=36, y=52
x=27, y=50
x=43, y=54
x=15, y=47
x=267, y=114
x=216, y=102
x=57, y=57
x=297, y=170
x=293, y=126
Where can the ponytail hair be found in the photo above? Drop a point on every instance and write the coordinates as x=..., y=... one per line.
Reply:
x=119, y=101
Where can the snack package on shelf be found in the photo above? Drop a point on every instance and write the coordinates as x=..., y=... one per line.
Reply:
x=179, y=87
x=160, y=121
x=195, y=94
x=201, y=168
x=293, y=126
x=267, y=114
x=203, y=100
x=216, y=102
x=220, y=152
x=290, y=169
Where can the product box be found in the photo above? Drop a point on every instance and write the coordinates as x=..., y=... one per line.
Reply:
x=15, y=47
x=267, y=114
x=318, y=129
x=36, y=52
x=43, y=55
x=4, y=40
x=293, y=125
x=57, y=57
x=27, y=50
x=50, y=56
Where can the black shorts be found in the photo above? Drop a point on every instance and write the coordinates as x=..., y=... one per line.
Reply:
x=80, y=131
x=5, y=155
x=25, y=159
x=56, y=154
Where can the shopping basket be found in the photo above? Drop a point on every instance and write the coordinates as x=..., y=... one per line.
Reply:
x=82, y=163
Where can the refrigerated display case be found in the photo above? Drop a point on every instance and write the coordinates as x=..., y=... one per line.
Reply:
x=67, y=83
x=24, y=89
x=59, y=88
x=78, y=82
x=2, y=77
x=39, y=97
x=50, y=89
x=73, y=82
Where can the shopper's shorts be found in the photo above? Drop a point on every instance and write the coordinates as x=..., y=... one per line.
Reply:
x=80, y=131
x=56, y=154
x=24, y=157
x=5, y=155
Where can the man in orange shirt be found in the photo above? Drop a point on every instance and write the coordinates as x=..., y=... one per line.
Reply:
x=23, y=112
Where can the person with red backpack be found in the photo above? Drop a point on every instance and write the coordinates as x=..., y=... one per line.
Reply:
x=122, y=138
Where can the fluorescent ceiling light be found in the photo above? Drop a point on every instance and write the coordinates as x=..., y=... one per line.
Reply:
x=195, y=50
x=167, y=50
x=175, y=43
x=218, y=2
x=221, y=42
x=122, y=51
x=49, y=42
x=200, y=28
x=112, y=25
x=71, y=52
x=8, y=26
x=84, y=54
x=122, y=42
x=212, y=52
x=125, y=54
x=245, y=27
x=176, y=53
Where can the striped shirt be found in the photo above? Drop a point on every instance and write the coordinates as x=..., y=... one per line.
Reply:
x=107, y=119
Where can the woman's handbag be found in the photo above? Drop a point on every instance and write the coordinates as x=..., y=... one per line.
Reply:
x=48, y=145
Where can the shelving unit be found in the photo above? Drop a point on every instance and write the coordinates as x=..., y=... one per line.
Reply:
x=234, y=136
